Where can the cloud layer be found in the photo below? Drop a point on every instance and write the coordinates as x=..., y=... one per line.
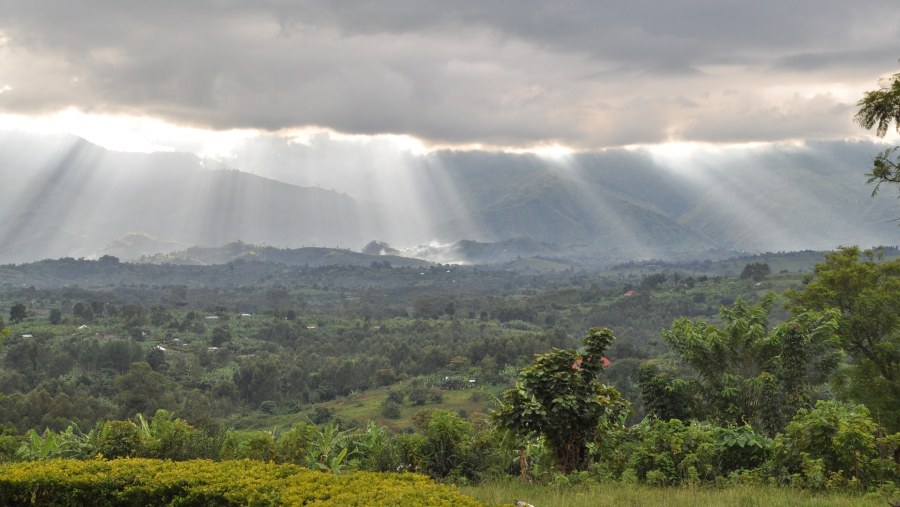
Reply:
x=581, y=73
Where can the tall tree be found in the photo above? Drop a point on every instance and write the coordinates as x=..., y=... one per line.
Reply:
x=143, y=390
x=750, y=373
x=879, y=108
x=559, y=397
x=866, y=291
x=17, y=313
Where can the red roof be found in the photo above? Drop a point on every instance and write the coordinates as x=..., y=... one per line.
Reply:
x=577, y=364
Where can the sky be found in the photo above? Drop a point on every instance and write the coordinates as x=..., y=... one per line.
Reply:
x=517, y=75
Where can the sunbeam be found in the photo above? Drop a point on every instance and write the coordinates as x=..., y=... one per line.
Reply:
x=68, y=197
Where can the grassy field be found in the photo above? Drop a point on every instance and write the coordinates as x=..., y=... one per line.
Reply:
x=625, y=495
x=361, y=407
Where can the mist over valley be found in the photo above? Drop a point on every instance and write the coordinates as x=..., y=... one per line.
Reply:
x=67, y=197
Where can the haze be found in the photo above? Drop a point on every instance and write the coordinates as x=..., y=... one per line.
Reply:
x=725, y=124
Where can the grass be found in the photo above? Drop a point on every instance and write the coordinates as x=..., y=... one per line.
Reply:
x=363, y=406
x=366, y=405
x=625, y=495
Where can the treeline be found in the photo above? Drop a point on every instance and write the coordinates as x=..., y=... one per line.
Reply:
x=84, y=355
x=217, y=365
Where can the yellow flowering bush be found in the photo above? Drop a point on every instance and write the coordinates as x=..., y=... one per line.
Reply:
x=200, y=482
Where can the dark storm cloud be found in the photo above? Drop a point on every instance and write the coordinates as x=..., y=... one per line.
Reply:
x=578, y=72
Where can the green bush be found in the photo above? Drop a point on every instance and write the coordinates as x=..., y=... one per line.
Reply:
x=230, y=483
x=255, y=445
x=675, y=453
x=120, y=439
x=295, y=444
x=446, y=443
x=379, y=451
x=835, y=445
x=390, y=409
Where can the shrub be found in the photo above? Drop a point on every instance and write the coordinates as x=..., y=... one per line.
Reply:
x=378, y=450
x=256, y=445
x=835, y=445
x=120, y=439
x=674, y=453
x=418, y=395
x=295, y=444
x=390, y=409
x=446, y=441
x=200, y=482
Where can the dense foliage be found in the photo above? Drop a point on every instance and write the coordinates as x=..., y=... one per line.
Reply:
x=866, y=292
x=748, y=373
x=350, y=369
x=154, y=482
x=559, y=397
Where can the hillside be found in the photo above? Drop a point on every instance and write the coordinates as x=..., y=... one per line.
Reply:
x=308, y=256
x=80, y=200
x=69, y=198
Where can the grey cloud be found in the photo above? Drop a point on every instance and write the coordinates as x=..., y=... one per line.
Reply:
x=823, y=60
x=579, y=72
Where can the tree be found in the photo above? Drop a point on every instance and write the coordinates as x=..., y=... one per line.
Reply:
x=445, y=448
x=653, y=281
x=559, y=397
x=143, y=390
x=55, y=316
x=866, y=291
x=220, y=336
x=97, y=307
x=134, y=314
x=756, y=271
x=751, y=374
x=83, y=312
x=258, y=379
x=17, y=313
x=108, y=260
x=666, y=396
x=879, y=108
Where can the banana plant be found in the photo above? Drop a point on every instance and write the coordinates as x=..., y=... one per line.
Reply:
x=330, y=447
x=36, y=447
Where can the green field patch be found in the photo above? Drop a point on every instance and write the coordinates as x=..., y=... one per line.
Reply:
x=634, y=495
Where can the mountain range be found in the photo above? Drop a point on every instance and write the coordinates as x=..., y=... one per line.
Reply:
x=65, y=197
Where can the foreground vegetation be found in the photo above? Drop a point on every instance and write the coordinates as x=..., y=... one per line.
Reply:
x=152, y=482
x=149, y=482
x=617, y=494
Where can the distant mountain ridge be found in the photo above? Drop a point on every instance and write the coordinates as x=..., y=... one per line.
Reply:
x=814, y=197
x=65, y=197
x=79, y=199
x=306, y=256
